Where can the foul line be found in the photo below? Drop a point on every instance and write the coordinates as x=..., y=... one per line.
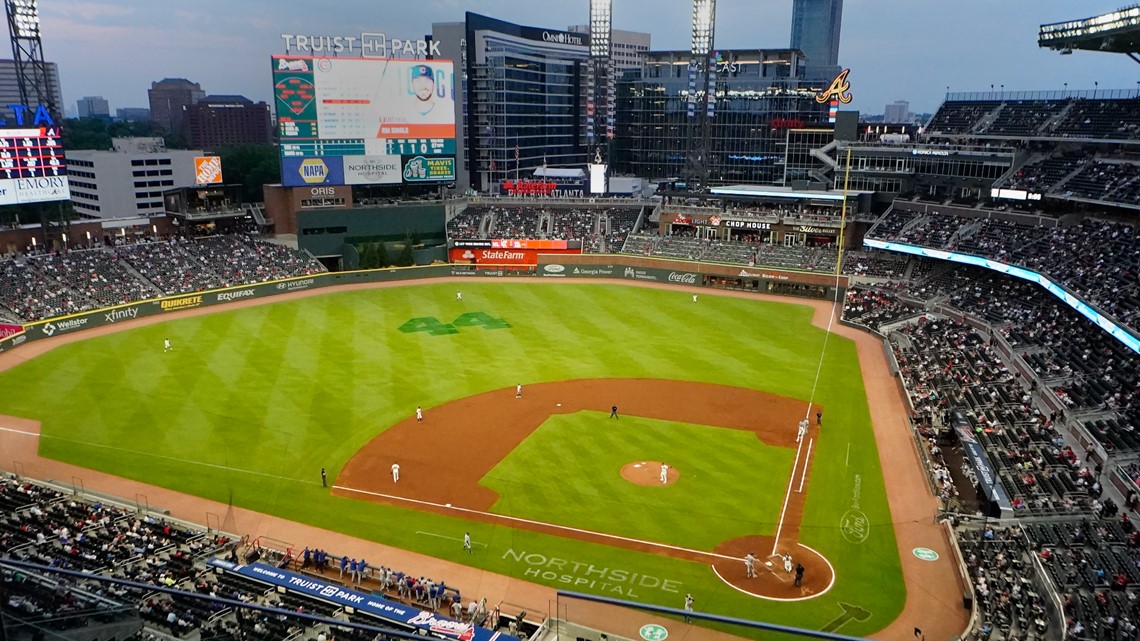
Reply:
x=539, y=523
x=152, y=454
x=807, y=458
x=449, y=538
x=787, y=496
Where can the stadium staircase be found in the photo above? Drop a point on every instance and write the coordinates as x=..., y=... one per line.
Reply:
x=1025, y=161
x=985, y=121
x=965, y=231
x=257, y=211
x=1047, y=127
x=823, y=155
x=127, y=267
x=486, y=224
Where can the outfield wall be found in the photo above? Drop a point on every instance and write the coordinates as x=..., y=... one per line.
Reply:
x=588, y=266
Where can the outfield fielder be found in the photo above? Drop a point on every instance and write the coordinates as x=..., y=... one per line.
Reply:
x=458, y=295
x=395, y=472
x=664, y=473
x=166, y=345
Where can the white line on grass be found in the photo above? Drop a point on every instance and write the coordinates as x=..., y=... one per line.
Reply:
x=541, y=523
x=161, y=456
x=847, y=459
x=807, y=459
x=787, y=497
x=449, y=538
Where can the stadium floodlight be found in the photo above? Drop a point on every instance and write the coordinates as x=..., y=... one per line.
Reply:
x=704, y=16
x=601, y=14
x=26, y=18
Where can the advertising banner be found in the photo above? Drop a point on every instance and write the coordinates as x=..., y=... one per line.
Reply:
x=8, y=330
x=428, y=168
x=373, y=170
x=208, y=170
x=987, y=478
x=364, y=602
x=312, y=172
x=13, y=340
x=503, y=256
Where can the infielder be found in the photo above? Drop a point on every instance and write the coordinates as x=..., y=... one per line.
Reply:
x=750, y=565
x=395, y=472
x=788, y=563
x=166, y=345
x=419, y=414
x=664, y=473
x=467, y=542
x=518, y=390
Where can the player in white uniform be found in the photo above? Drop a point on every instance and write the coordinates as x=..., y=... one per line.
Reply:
x=458, y=295
x=166, y=345
x=518, y=390
x=801, y=431
x=664, y=473
x=750, y=565
x=467, y=542
x=419, y=414
x=694, y=298
x=395, y=472
x=788, y=563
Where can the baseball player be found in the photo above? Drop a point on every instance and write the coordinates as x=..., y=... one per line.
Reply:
x=694, y=298
x=419, y=414
x=688, y=608
x=613, y=411
x=801, y=431
x=518, y=390
x=395, y=472
x=166, y=345
x=750, y=565
x=458, y=295
x=788, y=563
x=467, y=542
x=664, y=473
x=324, y=478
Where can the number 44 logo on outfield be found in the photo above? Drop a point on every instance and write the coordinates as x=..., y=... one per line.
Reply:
x=431, y=325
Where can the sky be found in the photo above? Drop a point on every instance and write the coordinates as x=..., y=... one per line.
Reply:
x=896, y=49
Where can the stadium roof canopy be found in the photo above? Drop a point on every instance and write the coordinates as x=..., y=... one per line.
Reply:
x=780, y=191
x=559, y=172
x=1115, y=32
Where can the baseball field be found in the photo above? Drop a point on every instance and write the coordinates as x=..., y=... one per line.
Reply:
x=251, y=403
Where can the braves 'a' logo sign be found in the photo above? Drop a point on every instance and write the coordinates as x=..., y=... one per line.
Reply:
x=839, y=90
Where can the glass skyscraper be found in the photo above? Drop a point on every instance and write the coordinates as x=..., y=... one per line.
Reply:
x=815, y=31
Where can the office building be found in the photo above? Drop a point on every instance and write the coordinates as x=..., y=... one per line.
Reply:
x=219, y=121
x=897, y=112
x=169, y=99
x=524, y=89
x=628, y=48
x=816, y=27
x=133, y=114
x=129, y=179
x=760, y=99
x=10, y=87
x=93, y=107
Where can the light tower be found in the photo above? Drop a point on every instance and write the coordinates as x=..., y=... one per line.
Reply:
x=28, y=55
x=35, y=90
x=600, y=90
x=696, y=170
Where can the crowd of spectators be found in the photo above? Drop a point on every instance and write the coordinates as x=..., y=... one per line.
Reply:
x=1097, y=260
x=1011, y=603
x=50, y=285
x=1064, y=118
x=874, y=308
x=43, y=525
x=1106, y=181
x=1041, y=176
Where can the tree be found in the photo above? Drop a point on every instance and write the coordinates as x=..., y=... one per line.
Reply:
x=382, y=259
x=96, y=133
x=251, y=166
x=367, y=256
x=406, y=259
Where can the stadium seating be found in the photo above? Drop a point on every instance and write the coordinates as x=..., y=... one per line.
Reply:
x=1116, y=119
x=51, y=285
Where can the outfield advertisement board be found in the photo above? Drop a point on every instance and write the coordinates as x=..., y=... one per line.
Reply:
x=426, y=623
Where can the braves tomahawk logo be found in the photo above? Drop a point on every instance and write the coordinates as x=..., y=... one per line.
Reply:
x=446, y=627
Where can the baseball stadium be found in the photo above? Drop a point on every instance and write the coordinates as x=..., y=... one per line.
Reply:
x=886, y=387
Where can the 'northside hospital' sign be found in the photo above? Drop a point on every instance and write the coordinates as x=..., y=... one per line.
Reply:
x=363, y=602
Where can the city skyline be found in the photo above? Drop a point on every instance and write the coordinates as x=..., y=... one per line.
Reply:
x=226, y=47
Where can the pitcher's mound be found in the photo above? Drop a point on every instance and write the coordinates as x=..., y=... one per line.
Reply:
x=648, y=473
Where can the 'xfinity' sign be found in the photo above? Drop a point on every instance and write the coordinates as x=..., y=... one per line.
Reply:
x=366, y=45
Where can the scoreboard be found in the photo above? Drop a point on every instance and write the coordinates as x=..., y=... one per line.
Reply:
x=364, y=121
x=32, y=166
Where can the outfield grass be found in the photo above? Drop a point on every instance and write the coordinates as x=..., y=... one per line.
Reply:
x=253, y=402
x=721, y=471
